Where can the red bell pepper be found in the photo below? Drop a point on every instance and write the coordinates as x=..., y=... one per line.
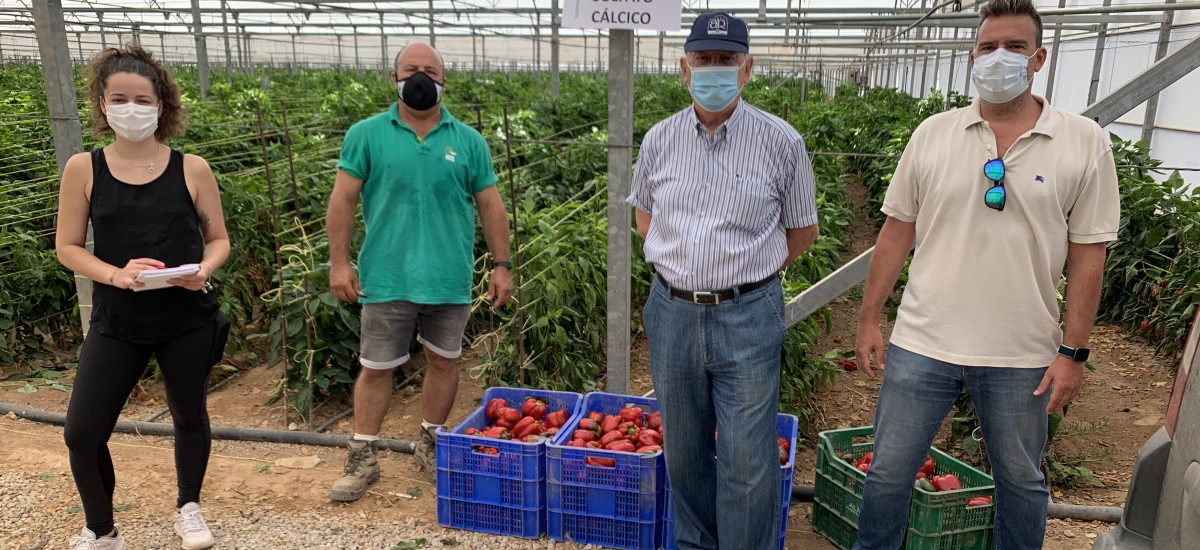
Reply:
x=596, y=416
x=649, y=437
x=534, y=407
x=654, y=420
x=948, y=482
x=556, y=419
x=979, y=501
x=492, y=410
x=609, y=437
x=470, y=431
x=525, y=427
x=589, y=424
x=497, y=432
x=609, y=423
x=599, y=461
x=585, y=435
x=623, y=445
x=929, y=466
x=632, y=414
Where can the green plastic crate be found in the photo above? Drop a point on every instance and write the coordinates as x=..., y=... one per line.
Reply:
x=936, y=521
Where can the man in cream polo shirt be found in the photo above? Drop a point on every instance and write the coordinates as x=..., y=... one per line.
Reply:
x=996, y=198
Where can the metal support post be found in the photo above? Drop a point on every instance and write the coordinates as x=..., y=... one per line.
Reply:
x=225, y=35
x=537, y=42
x=555, y=20
x=100, y=28
x=295, y=58
x=620, y=176
x=661, y=36
x=1054, y=57
x=78, y=47
x=65, y=129
x=383, y=47
x=474, y=53
x=1164, y=40
x=201, y=48
x=432, y=38
x=1098, y=60
x=237, y=40
x=950, y=76
x=357, y=63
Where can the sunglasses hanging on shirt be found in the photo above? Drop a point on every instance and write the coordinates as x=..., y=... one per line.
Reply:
x=995, y=197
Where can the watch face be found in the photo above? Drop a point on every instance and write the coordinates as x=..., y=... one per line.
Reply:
x=1081, y=354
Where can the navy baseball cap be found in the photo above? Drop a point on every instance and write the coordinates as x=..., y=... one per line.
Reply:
x=718, y=31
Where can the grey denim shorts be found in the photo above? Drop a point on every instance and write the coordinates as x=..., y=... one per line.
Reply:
x=387, y=329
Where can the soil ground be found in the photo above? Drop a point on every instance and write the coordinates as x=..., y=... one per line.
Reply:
x=1120, y=406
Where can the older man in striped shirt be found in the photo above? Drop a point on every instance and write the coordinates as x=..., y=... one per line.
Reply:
x=725, y=199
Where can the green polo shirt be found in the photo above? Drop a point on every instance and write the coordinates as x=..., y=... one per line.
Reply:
x=418, y=205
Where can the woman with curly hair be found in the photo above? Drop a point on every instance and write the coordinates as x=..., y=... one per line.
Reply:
x=151, y=207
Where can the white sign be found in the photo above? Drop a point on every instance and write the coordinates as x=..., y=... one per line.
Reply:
x=659, y=15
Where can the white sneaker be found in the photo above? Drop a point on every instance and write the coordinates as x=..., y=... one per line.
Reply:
x=87, y=540
x=190, y=526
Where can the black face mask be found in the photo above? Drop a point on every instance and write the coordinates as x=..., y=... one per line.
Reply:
x=419, y=91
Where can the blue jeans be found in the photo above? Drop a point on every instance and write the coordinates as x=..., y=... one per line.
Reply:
x=716, y=367
x=917, y=393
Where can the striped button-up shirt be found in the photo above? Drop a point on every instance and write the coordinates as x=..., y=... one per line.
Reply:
x=720, y=206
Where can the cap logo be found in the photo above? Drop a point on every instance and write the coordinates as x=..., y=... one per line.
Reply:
x=718, y=25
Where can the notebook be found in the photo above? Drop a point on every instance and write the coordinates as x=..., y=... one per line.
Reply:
x=157, y=278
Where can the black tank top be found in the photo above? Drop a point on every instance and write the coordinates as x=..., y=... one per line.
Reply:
x=156, y=220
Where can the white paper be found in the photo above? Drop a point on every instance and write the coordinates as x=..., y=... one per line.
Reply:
x=157, y=278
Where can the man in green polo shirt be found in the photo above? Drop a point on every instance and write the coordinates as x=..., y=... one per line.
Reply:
x=421, y=174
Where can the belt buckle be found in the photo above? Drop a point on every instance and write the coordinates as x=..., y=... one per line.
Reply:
x=706, y=298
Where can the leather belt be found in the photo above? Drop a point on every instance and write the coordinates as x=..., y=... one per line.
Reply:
x=712, y=297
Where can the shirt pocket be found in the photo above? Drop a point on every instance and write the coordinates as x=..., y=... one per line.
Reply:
x=751, y=204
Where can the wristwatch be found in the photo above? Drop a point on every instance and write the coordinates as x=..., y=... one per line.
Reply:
x=505, y=265
x=1075, y=354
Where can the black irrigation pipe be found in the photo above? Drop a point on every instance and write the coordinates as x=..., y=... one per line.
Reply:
x=348, y=412
x=238, y=434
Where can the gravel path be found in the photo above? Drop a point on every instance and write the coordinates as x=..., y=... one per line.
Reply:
x=41, y=514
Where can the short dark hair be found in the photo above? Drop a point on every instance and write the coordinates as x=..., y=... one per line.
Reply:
x=134, y=59
x=996, y=8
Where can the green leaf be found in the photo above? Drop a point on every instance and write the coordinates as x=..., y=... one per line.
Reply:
x=27, y=388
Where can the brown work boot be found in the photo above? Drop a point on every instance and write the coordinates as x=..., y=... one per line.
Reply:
x=362, y=469
x=425, y=454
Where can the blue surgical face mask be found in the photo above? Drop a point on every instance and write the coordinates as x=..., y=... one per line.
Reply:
x=714, y=88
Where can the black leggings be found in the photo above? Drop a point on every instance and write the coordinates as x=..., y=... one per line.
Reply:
x=109, y=368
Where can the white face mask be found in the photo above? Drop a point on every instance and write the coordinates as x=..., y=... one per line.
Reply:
x=1001, y=76
x=132, y=121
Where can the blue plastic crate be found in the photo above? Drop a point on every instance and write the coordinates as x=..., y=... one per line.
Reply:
x=617, y=506
x=490, y=518
x=606, y=532
x=510, y=483
x=786, y=425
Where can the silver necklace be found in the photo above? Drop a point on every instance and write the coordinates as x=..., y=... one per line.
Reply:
x=149, y=167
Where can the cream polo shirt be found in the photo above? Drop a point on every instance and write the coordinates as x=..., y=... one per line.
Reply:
x=982, y=287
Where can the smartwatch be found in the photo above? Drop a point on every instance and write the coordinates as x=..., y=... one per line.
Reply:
x=1075, y=354
x=505, y=265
